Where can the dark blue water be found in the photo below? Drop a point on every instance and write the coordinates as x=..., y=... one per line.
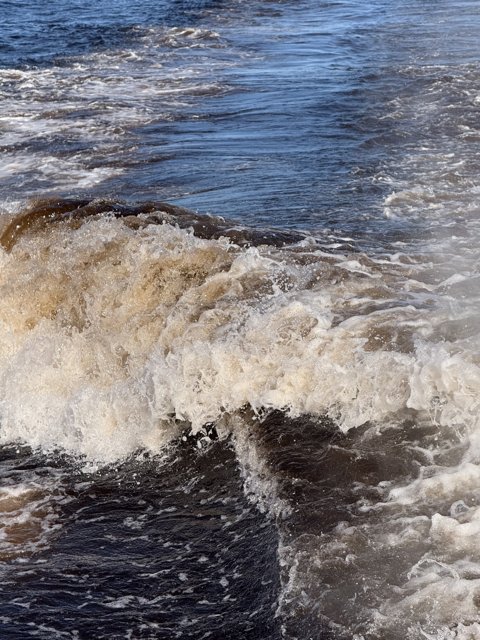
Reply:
x=355, y=122
x=155, y=549
x=35, y=34
x=276, y=112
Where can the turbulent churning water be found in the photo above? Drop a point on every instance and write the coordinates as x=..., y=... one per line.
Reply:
x=259, y=425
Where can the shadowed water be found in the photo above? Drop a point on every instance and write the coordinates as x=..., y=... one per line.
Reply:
x=150, y=548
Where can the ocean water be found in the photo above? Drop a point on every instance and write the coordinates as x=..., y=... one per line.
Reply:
x=239, y=320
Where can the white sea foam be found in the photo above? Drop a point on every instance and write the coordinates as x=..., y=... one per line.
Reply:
x=111, y=337
x=194, y=328
x=107, y=332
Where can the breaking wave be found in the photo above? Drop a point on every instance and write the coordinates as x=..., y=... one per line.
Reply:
x=124, y=327
x=116, y=326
